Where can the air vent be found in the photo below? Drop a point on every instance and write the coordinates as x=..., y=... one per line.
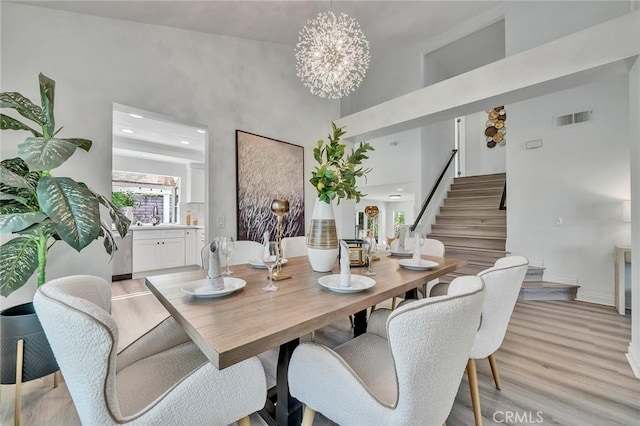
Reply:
x=575, y=118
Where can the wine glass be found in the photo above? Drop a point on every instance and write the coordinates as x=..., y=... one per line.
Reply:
x=270, y=256
x=226, y=248
x=370, y=247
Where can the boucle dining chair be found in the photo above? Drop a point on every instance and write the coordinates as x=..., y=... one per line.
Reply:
x=294, y=246
x=405, y=370
x=161, y=378
x=244, y=251
x=502, y=282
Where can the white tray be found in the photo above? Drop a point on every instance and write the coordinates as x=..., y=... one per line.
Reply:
x=358, y=283
x=202, y=288
x=423, y=266
x=258, y=264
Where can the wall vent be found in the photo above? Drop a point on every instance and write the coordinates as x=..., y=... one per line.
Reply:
x=575, y=118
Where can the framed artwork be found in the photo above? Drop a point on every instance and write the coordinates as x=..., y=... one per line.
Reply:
x=267, y=169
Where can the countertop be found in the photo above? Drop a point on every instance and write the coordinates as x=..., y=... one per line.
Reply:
x=162, y=226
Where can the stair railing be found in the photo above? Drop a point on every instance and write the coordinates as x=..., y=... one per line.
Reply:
x=433, y=191
x=503, y=200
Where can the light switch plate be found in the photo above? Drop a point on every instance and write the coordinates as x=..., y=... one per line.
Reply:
x=220, y=221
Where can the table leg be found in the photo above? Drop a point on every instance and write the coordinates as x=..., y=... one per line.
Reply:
x=359, y=323
x=288, y=409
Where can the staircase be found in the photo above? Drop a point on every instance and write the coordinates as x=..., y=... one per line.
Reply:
x=472, y=227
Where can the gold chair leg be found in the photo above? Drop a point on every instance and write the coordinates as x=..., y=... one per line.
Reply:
x=393, y=303
x=18, y=398
x=56, y=379
x=494, y=370
x=472, y=375
x=307, y=418
x=313, y=336
x=244, y=421
x=351, y=320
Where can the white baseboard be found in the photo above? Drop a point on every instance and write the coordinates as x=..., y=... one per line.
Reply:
x=562, y=279
x=598, y=298
x=634, y=361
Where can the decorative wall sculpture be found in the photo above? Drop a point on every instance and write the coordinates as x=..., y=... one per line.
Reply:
x=496, y=128
x=268, y=169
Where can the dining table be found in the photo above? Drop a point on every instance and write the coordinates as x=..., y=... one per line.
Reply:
x=250, y=321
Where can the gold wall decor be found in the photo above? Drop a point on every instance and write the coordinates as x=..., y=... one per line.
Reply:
x=496, y=129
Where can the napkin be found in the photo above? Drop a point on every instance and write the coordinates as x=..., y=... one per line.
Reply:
x=214, y=275
x=345, y=265
x=417, y=254
x=401, y=237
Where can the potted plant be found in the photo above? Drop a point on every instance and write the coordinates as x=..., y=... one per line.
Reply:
x=334, y=178
x=125, y=201
x=41, y=209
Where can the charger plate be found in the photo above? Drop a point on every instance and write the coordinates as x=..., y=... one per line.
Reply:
x=202, y=288
x=423, y=266
x=358, y=283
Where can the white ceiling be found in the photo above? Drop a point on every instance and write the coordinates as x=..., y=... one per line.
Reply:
x=406, y=190
x=141, y=134
x=386, y=24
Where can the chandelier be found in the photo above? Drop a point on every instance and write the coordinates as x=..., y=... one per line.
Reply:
x=332, y=55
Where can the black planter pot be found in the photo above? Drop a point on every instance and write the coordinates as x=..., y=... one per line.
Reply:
x=21, y=322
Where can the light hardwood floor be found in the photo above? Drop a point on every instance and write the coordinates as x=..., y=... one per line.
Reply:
x=561, y=362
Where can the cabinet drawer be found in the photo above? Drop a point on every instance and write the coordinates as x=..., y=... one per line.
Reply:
x=172, y=233
x=147, y=235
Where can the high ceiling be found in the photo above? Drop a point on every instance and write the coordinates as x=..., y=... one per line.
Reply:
x=387, y=24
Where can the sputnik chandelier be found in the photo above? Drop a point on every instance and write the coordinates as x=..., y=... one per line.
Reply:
x=332, y=55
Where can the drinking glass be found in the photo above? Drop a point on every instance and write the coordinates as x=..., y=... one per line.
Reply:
x=226, y=248
x=270, y=256
x=369, y=246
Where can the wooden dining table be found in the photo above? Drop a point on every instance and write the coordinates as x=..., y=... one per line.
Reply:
x=248, y=322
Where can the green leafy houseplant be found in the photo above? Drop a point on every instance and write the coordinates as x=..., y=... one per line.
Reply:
x=36, y=205
x=122, y=199
x=335, y=176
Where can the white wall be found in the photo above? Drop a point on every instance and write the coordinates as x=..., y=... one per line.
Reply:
x=581, y=174
x=479, y=158
x=532, y=23
x=224, y=83
x=396, y=159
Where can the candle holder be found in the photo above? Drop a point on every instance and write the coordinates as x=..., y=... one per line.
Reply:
x=372, y=212
x=280, y=208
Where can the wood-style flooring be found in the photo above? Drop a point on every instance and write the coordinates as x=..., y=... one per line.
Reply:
x=562, y=363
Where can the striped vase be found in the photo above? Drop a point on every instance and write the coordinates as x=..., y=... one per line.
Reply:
x=322, y=243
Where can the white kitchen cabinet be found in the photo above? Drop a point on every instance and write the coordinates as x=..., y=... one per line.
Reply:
x=195, y=184
x=200, y=243
x=191, y=247
x=158, y=249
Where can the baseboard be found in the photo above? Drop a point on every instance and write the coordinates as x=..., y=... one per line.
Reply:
x=562, y=279
x=598, y=298
x=634, y=361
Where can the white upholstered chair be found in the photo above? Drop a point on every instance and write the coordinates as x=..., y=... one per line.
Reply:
x=502, y=285
x=405, y=370
x=294, y=246
x=161, y=378
x=243, y=252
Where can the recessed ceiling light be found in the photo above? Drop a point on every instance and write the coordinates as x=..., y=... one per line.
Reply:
x=395, y=196
x=399, y=189
x=145, y=155
x=201, y=131
x=135, y=115
x=127, y=131
x=184, y=142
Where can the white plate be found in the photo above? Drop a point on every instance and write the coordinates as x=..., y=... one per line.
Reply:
x=402, y=253
x=358, y=283
x=423, y=266
x=258, y=264
x=202, y=288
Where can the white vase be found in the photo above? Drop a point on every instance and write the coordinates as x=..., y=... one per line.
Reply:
x=128, y=212
x=322, y=243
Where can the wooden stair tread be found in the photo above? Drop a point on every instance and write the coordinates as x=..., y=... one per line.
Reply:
x=471, y=237
x=546, y=284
